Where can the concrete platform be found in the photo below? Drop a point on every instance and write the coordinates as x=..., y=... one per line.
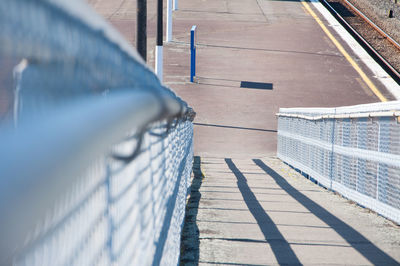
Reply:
x=273, y=42
x=265, y=41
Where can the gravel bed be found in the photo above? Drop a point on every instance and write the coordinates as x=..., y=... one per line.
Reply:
x=378, y=12
x=386, y=49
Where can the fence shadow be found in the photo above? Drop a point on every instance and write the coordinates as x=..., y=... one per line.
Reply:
x=367, y=249
x=190, y=242
x=279, y=245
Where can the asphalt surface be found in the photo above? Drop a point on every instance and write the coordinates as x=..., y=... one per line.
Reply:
x=275, y=43
x=270, y=42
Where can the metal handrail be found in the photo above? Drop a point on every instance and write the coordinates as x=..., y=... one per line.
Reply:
x=97, y=90
x=338, y=116
x=353, y=150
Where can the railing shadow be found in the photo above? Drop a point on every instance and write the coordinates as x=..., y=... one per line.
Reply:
x=190, y=242
x=235, y=127
x=279, y=245
x=367, y=249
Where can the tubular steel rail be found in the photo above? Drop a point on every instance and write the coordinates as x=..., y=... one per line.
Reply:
x=96, y=166
x=353, y=150
x=380, y=60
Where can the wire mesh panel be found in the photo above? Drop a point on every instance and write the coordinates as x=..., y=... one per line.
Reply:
x=353, y=150
x=95, y=164
x=122, y=213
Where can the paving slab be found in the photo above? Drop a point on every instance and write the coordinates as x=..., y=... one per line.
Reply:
x=282, y=218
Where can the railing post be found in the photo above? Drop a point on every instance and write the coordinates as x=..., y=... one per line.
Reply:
x=192, y=52
x=110, y=222
x=175, y=5
x=332, y=159
x=378, y=166
x=169, y=21
x=17, y=73
x=159, y=47
x=141, y=28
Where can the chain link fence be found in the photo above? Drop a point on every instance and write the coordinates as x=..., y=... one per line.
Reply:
x=119, y=213
x=353, y=150
x=96, y=155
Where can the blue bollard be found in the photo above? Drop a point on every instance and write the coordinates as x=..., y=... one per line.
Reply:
x=192, y=52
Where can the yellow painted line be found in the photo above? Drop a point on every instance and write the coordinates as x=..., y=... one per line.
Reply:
x=364, y=77
x=305, y=11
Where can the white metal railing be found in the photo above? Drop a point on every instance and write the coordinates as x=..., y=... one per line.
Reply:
x=353, y=150
x=96, y=166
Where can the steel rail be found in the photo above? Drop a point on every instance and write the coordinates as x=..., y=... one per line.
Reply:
x=370, y=22
x=368, y=47
x=24, y=180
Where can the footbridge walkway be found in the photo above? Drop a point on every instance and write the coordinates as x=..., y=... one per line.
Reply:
x=97, y=158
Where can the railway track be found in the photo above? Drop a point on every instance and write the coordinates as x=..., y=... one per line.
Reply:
x=380, y=45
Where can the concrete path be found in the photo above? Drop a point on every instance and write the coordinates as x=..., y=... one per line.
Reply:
x=262, y=212
x=249, y=208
